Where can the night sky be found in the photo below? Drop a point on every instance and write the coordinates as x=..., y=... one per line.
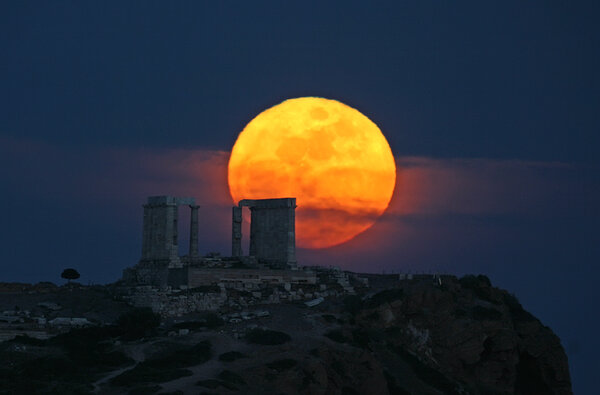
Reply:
x=492, y=110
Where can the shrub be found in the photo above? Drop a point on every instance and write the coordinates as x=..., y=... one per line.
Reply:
x=329, y=318
x=230, y=377
x=374, y=316
x=86, y=347
x=386, y=296
x=165, y=367
x=182, y=357
x=209, y=383
x=144, y=390
x=352, y=304
x=339, y=368
x=209, y=321
x=146, y=374
x=281, y=365
x=231, y=356
x=337, y=336
x=30, y=341
x=138, y=323
x=267, y=337
x=213, y=320
x=360, y=338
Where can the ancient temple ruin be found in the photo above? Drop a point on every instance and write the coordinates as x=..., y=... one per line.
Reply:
x=272, y=245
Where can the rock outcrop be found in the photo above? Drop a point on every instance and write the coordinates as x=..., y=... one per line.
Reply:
x=477, y=336
x=420, y=335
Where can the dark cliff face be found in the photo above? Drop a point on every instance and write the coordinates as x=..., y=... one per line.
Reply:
x=420, y=336
x=477, y=337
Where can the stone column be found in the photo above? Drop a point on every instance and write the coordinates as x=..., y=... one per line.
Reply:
x=236, y=231
x=272, y=231
x=194, y=231
x=147, y=232
x=291, y=233
x=172, y=232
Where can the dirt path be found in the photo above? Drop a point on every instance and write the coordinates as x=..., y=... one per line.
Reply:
x=136, y=352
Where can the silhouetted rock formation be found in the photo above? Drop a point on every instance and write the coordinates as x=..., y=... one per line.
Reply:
x=401, y=335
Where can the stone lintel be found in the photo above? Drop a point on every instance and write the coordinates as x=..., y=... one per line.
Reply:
x=181, y=201
x=268, y=203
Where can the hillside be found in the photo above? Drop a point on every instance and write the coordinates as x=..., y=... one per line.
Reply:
x=419, y=336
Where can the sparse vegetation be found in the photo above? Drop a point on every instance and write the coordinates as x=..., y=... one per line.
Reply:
x=209, y=383
x=72, y=361
x=329, y=318
x=353, y=304
x=143, y=390
x=360, y=338
x=337, y=336
x=386, y=296
x=281, y=365
x=339, y=368
x=138, y=323
x=30, y=341
x=165, y=367
x=69, y=363
x=147, y=374
x=230, y=377
x=207, y=321
x=267, y=337
x=231, y=356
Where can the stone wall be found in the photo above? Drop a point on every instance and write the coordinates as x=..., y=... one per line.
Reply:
x=172, y=304
x=148, y=273
x=198, y=276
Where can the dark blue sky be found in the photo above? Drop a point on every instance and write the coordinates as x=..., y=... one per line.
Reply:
x=104, y=103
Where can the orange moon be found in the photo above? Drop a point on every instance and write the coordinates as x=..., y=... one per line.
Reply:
x=334, y=160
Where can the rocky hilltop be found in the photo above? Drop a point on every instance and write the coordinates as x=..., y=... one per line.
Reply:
x=424, y=335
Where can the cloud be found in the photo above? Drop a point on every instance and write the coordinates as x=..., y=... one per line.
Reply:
x=451, y=213
x=429, y=186
x=111, y=176
x=440, y=206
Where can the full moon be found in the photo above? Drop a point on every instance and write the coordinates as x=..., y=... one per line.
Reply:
x=334, y=160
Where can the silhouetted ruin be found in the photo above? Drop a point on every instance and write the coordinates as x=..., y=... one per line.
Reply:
x=271, y=255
